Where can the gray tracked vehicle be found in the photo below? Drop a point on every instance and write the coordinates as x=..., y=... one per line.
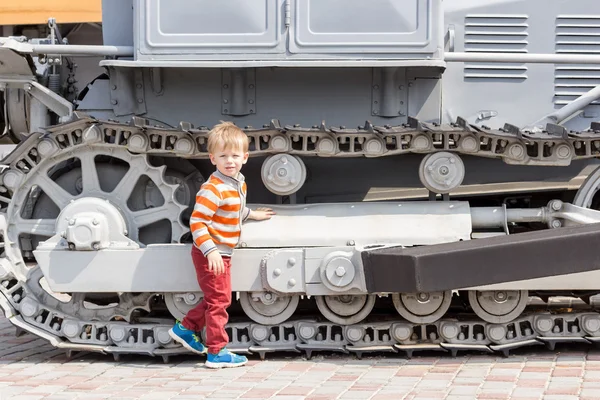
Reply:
x=433, y=166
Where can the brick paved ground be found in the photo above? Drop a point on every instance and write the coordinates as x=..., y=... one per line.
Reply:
x=31, y=369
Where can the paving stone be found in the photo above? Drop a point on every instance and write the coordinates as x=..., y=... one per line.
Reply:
x=31, y=368
x=463, y=390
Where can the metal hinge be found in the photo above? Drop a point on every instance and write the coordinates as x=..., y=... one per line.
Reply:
x=288, y=13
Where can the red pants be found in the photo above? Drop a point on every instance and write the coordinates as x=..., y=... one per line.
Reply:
x=211, y=312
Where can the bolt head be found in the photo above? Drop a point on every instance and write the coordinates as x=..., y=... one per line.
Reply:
x=556, y=205
x=340, y=271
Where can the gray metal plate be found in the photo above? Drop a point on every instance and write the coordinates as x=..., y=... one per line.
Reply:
x=204, y=26
x=378, y=26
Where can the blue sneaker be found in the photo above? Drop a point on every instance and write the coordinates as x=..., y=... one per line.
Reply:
x=225, y=359
x=188, y=339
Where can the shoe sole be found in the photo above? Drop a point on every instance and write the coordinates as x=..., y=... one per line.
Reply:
x=215, y=365
x=184, y=344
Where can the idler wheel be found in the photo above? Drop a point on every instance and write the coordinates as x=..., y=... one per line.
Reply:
x=345, y=309
x=422, y=308
x=268, y=308
x=498, y=306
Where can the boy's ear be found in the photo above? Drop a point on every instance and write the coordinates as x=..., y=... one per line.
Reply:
x=212, y=158
x=245, y=158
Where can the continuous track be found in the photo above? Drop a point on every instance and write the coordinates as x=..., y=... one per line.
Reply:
x=123, y=330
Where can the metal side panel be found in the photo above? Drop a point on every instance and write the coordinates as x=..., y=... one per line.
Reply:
x=358, y=26
x=156, y=268
x=488, y=261
x=359, y=224
x=207, y=27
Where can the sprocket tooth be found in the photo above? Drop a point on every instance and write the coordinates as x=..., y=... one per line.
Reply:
x=69, y=353
x=139, y=122
x=514, y=130
x=185, y=126
x=308, y=353
x=78, y=115
x=116, y=357
x=462, y=122
x=414, y=123
x=323, y=127
x=550, y=345
x=19, y=332
x=557, y=130
x=165, y=359
x=369, y=127
x=275, y=124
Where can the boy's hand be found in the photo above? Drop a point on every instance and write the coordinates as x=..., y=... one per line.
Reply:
x=215, y=262
x=261, y=214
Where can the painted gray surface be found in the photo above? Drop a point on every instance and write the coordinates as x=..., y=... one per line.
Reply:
x=283, y=29
x=117, y=20
x=483, y=93
x=520, y=93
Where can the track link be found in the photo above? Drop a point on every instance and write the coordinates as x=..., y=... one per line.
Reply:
x=29, y=311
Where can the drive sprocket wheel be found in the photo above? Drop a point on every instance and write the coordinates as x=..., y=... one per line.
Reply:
x=139, y=190
x=586, y=195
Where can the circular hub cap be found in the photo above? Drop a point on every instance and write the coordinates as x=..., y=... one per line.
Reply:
x=345, y=309
x=268, y=308
x=441, y=172
x=179, y=304
x=283, y=174
x=498, y=306
x=422, y=308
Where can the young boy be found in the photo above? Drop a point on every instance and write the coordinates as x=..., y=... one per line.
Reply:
x=216, y=225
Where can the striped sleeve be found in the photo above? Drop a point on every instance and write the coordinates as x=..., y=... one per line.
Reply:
x=246, y=211
x=207, y=202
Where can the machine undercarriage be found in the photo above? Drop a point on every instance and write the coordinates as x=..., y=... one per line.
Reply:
x=93, y=222
x=460, y=215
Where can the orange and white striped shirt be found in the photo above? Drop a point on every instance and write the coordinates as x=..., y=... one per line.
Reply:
x=220, y=209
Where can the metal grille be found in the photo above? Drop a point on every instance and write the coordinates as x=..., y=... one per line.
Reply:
x=495, y=33
x=576, y=34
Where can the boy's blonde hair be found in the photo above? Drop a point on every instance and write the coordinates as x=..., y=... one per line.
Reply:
x=225, y=136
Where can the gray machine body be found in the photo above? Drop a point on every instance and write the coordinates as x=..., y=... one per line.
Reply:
x=344, y=63
x=363, y=107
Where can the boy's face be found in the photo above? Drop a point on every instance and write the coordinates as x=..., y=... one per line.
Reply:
x=229, y=161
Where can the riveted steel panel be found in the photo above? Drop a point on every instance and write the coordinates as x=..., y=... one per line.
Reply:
x=377, y=26
x=206, y=26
